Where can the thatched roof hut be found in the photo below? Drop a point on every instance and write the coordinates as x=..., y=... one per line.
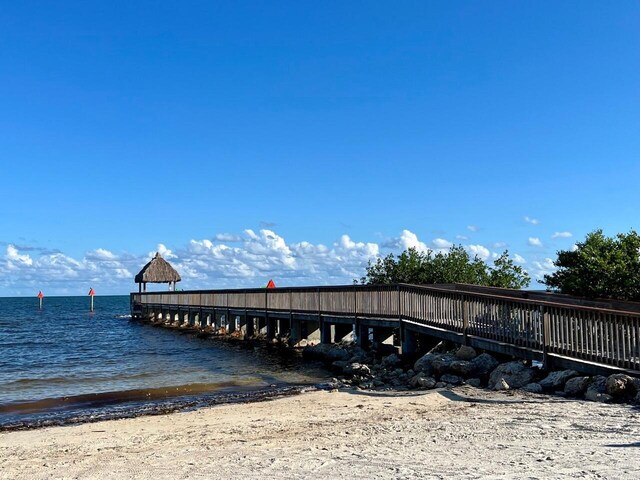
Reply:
x=157, y=270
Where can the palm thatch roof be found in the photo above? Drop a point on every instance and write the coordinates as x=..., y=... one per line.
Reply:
x=157, y=270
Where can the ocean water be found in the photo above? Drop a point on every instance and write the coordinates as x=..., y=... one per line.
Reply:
x=65, y=364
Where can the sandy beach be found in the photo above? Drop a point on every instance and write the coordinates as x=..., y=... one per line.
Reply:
x=461, y=433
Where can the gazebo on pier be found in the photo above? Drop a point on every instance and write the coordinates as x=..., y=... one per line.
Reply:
x=158, y=270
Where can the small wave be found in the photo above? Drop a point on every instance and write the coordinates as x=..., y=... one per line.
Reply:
x=123, y=316
x=75, y=379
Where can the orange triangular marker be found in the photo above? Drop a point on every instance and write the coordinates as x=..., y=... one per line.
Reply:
x=40, y=294
x=271, y=284
x=92, y=292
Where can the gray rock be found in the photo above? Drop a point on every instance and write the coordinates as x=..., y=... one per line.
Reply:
x=474, y=382
x=413, y=381
x=462, y=368
x=442, y=364
x=597, y=390
x=466, y=353
x=434, y=363
x=484, y=365
x=533, y=388
x=595, y=396
x=620, y=386
x=441, y=385
x=426, y=383
x=556, y=380
x=515, y=374
x=598, y=384
x=423, y=364
x=326, y=352
x=451, y=379
x=501, y=384
x=339, y=365
x=359, y=358
x=356, y=369
x=391, y=360
x=577, y=386
x=636, y=400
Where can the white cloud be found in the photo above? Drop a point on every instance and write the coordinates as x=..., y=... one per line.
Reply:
x=479, y=250
x=562, y=235
x=500, y=245
x=473, y=228
x=519, y=259
x=226, y=237
x=441, y=243
x=163, y=251
x=532, y=221
x=225, y=261
x=541, y=268
x=462, y=237
x=409, y=239
x=14, y=258
x=535, y=242
x=103, y=254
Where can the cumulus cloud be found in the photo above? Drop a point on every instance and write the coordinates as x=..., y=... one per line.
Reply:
x=500, y=245
x=441, y=243
x=462, y=237
x=101, y=254
x=519, y=259
x=473, y=228
x=409, y=239
x=562, y=235
x=163, y=251
x=223, y=261
x=14, y=258
x=535, y=242
x=227, y=237
x=541, y=268
x=479, y=250
x=532, y=221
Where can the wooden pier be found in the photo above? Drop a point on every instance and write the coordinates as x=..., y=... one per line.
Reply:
x=560, y=331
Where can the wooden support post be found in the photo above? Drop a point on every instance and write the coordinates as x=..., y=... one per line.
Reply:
x=465, y=320
x=546, y=337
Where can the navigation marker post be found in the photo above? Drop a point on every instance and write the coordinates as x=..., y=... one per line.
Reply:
x=92, y=293
x=40, y=297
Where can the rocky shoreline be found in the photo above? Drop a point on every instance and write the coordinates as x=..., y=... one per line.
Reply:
x=448, y=366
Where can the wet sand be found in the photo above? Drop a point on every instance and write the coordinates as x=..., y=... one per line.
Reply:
x=464, y=433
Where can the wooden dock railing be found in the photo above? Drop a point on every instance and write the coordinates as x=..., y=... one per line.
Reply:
x=583, y=333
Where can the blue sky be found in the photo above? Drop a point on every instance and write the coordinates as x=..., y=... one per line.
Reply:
x=298, y=140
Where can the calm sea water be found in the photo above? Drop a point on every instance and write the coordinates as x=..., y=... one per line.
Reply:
x=63, y=362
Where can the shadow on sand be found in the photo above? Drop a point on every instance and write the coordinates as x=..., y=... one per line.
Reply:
x=623, y=445
x=449, y=394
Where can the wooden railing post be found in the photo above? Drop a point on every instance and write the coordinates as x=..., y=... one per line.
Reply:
x=546, y=337
x=465, y=320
